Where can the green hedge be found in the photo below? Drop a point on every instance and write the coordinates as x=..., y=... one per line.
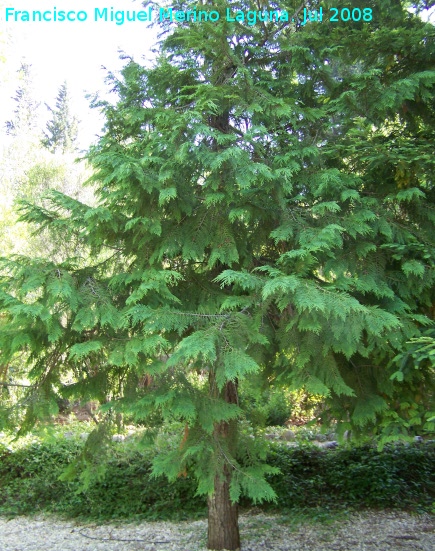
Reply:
x=400, y=477
x=29, y=482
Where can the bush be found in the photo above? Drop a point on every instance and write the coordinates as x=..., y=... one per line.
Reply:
x=400, y=476
x=128, y=490
x=271, y=407
x=29, y=482
x=28, y=477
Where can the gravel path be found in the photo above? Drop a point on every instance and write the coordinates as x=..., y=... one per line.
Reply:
x=368, y=531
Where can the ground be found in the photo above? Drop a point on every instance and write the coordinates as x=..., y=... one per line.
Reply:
x=365, y=531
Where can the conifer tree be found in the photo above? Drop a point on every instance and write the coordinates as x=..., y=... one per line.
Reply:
x=266, y=205
x=62, y=129
x=25, y=117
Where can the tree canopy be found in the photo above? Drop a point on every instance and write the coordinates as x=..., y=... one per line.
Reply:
x=62, y=128
x=266, y=204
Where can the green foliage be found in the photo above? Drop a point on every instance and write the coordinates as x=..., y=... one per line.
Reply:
x=416, y=369
x=308, y=479
x=62, y=129
x=30, y=481
x=29, y=477
x=265, y=206
x=398, y=477
x=266, y=407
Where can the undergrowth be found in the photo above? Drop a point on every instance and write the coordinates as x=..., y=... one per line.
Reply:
x=312, y=481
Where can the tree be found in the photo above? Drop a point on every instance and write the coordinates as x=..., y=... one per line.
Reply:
x=62, y=129
x=265, y=206
x=27, y=171
x=25, y=117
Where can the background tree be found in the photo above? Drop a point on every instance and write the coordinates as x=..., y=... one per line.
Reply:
x=260, y=211
x=25, y=118
x=62, y=129
x=27, y=172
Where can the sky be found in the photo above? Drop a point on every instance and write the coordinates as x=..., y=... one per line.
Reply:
x=72, y=51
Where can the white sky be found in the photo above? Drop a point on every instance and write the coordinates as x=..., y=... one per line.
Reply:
x=72, y=51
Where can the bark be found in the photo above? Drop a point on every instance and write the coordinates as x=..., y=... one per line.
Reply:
x=223, y=516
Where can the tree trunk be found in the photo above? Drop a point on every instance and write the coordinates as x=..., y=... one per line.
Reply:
x=223, y=516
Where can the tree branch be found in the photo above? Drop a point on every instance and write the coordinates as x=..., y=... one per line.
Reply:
x=4, y=383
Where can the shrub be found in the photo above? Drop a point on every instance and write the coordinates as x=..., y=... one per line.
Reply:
x=399, y=476
x=270, y=407
x=28, y=476
x=29, y=482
